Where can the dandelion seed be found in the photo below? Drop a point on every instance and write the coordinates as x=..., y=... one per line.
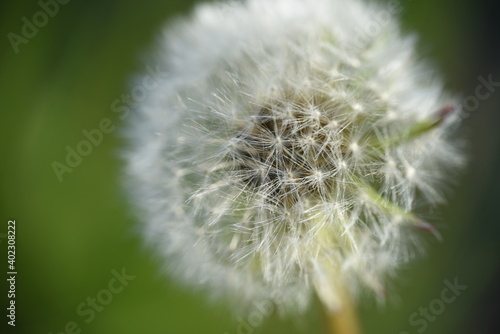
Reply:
x=281, y=169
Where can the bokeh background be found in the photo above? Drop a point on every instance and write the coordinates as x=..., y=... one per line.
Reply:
x=72, y=234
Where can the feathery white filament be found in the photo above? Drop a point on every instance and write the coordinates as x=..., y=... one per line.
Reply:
x=282, y=158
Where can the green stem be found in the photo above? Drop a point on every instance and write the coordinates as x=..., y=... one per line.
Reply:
x=344, y=320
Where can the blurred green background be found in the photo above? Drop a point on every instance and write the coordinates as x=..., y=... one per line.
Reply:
x=72, y=234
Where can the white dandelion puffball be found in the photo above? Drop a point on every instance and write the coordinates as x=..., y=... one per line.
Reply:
x=291, y=150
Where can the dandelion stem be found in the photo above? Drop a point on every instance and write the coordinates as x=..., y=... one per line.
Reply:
x=344, y=320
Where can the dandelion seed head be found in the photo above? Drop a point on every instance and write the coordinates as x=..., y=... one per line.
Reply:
x=289, y=159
